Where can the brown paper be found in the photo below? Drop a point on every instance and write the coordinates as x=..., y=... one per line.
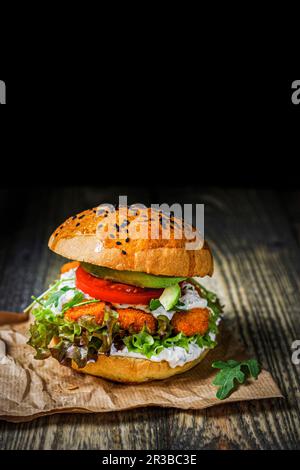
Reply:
x=30, y=388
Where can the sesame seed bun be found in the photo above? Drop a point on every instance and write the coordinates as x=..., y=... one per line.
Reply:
x=107, y=238
x=133, y=370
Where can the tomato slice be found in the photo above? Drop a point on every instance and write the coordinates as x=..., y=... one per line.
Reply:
x=114, y=292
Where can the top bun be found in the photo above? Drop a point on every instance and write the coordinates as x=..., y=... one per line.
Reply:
x=121, y=240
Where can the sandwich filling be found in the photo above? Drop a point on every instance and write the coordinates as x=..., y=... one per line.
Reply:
x=83, y=315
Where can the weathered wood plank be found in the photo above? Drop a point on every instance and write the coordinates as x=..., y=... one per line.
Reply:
x=257, y=268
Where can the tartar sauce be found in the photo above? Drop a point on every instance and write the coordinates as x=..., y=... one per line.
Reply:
x=175, y=355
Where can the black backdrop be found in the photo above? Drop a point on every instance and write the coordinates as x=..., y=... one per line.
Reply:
x=149, y=130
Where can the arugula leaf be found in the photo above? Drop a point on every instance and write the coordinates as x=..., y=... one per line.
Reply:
x=44, y=294
x=55, y=296
x=92, y=301
x=232, y=372
x=154, y=304
x=77, y=299
x=212, y=300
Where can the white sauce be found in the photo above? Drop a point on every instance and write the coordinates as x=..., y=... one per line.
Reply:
x=68, y=278
x=68, y=281
x=191, y=298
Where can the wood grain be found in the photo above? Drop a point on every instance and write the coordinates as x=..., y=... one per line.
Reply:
x=258, y=271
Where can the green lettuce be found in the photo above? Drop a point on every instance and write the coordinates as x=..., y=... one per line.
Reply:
x=82, y=340
x=149, y=345
x=79, y=341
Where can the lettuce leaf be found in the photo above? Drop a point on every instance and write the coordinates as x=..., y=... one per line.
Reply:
x=79, y=341
x=148, y=345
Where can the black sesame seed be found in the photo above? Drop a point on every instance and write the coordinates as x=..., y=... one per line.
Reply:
x=117, y=227
x=74, y=217
x=77, y=225
x=124, y=252
x=81, y=216
x=127, y=240
x=56, y=234
x=119, y=243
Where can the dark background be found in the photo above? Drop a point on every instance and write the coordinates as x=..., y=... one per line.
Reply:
x=145, y=127
x=228, y=140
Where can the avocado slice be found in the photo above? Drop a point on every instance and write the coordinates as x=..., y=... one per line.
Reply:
x=170, y=297
x=132, y=277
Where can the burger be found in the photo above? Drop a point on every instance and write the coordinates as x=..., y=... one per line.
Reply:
x=128, y=306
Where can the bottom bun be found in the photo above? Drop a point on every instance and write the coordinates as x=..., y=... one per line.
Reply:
x=132, y=370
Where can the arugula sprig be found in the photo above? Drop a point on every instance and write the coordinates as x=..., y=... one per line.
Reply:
x=56, y=295
x=212, y=299
x=154, y=304
x=48, y=291
x=233, y=372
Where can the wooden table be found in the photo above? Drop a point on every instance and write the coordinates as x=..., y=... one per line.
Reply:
x=255, y=239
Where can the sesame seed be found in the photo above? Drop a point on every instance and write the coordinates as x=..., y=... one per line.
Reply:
x=77, y=225
x=119, y=243
x=124, y=252
x=81, y=216
x=74, y=217
x=127, y=240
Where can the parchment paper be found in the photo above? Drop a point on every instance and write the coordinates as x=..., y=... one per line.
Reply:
x=30, y=388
